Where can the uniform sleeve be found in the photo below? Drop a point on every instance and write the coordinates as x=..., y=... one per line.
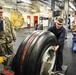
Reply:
x=50, y=29
x=13, y=32
x=62, y=37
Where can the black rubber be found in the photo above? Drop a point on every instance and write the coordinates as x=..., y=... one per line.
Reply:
x=16, y=64
x=27, y=60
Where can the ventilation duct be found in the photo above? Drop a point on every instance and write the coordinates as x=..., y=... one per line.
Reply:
x=8, y=1
x=72, y=6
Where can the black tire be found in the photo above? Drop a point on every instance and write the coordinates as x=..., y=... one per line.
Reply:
x=17, y=58
x=29, y=62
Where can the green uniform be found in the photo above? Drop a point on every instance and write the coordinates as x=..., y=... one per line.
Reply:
x=6, y=37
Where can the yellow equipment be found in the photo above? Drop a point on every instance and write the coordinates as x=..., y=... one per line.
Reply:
x=17, y=19
x=2, y=59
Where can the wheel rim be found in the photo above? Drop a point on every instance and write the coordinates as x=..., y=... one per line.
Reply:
x=48, y=61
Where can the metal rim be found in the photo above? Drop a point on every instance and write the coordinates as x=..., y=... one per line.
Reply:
x=48, y=59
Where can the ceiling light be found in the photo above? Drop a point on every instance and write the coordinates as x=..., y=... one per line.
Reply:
x=27, y=1
x=33, y=10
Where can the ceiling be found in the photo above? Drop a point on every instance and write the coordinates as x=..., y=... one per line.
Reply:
x=33, y=5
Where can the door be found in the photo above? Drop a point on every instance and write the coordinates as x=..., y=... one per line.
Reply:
x=28, y=21
x=35, y=19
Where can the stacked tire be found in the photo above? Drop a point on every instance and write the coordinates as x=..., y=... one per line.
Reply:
x=35, y=55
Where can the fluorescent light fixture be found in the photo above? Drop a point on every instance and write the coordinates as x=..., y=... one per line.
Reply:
x=72, y=6
x=33, y=10
x=27, y=1
x=70, y=9
x=7, y=6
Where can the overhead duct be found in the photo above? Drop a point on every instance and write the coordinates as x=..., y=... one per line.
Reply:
x=60, y=4
x=32, y=6
x=46, y=2
x=8, y=1
x=72, y=6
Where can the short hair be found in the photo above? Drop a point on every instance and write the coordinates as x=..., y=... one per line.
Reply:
x=60, y=20
x=68, y=15
x=1, y=7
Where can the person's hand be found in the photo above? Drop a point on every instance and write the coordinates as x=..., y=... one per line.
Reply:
x=56, y=48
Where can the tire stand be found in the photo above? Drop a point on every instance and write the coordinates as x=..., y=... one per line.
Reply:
x=64, y=68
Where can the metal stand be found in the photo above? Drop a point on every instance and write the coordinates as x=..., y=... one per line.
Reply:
x=64, y=68
x=63, y=72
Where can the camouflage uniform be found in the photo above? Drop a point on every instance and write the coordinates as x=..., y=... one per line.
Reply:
x=6, y=37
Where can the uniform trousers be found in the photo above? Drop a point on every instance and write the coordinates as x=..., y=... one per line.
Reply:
x=6, y=49
x=59, y=58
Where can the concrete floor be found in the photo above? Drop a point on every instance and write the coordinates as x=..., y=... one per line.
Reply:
x=69, y=57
